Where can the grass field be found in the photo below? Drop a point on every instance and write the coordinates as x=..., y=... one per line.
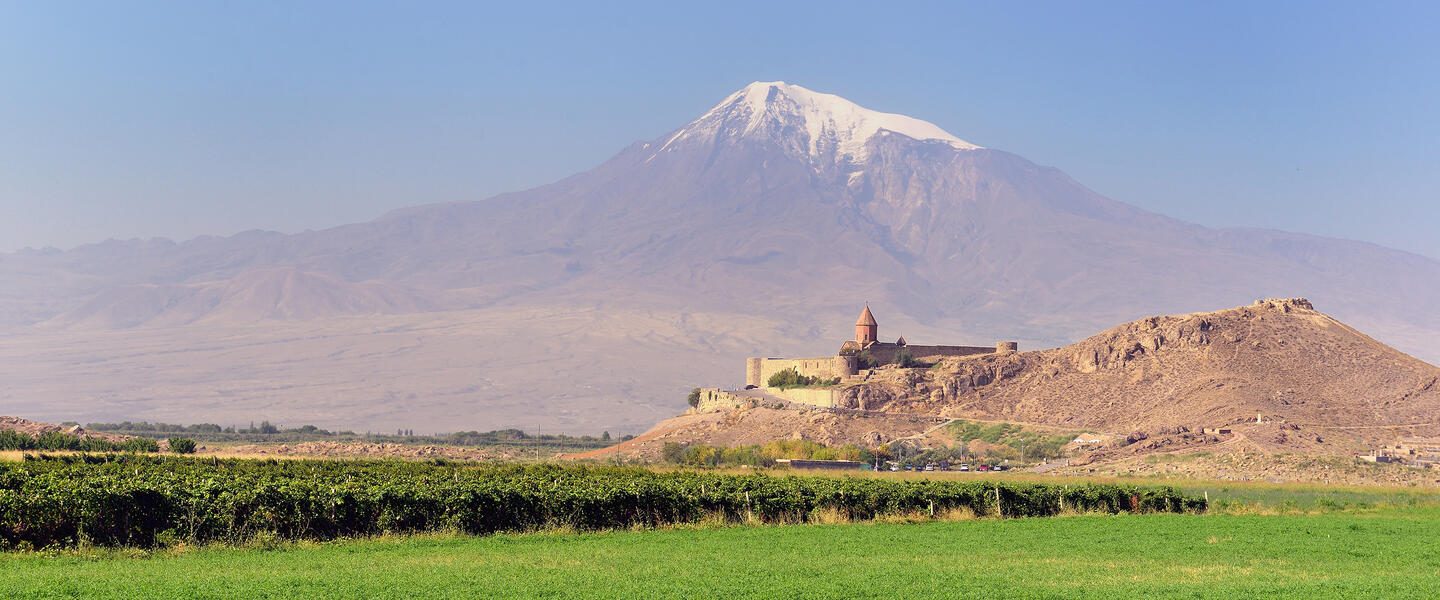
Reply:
x=1376, y=553
x=1260, y=540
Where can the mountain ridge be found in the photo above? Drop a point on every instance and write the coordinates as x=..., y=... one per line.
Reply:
x=956, y=242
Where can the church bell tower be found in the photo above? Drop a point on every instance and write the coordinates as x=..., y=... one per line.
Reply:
x=866, y=329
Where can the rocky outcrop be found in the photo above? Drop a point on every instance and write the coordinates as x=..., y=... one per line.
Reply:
x=1287, y=377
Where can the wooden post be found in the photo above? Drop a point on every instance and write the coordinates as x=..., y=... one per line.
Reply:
x=998, y=510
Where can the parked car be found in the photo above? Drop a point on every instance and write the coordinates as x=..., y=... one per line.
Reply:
x=997, y=468
x=964, y=467
x=982, y=468
x=929, y=467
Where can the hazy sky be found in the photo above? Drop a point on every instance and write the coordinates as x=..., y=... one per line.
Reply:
x=139, y=119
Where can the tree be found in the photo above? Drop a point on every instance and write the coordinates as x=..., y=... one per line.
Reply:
x=180, y=445
x=694, y=397
x=605, y=437
x=905, y=359
x=786, y=378
x=673, y=453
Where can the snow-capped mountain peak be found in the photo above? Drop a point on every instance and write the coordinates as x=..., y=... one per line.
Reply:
x=832, y=126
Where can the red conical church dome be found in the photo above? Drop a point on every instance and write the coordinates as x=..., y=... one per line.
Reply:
x=866, y=329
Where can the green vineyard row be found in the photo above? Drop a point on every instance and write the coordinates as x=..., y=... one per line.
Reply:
x=135, y=500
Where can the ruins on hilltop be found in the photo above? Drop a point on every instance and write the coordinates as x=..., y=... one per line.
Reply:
x=858, y=355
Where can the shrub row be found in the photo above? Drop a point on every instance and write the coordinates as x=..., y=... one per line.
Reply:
x=55, y=440
x=131, y=500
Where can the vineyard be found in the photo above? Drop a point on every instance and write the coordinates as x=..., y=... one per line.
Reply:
x=133, y=500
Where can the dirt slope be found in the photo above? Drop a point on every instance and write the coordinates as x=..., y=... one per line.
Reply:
x=760, y=425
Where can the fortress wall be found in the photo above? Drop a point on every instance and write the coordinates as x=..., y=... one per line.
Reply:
x=824, y=368
x=814, y=397
x=886, y=353
x=949, y=350
x=712, y=399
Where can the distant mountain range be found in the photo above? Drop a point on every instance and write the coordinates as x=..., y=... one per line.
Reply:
x=757, y=229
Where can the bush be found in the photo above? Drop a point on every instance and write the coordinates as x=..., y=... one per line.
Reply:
x=790, y=378
x=673, y=453
x=94, y=444
x=181, y=445
x=140, y=445
x=14, y=440
x=54, y=440
x=906, y=360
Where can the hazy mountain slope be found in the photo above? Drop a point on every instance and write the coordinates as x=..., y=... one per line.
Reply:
x=778, y=203
x=275, y=293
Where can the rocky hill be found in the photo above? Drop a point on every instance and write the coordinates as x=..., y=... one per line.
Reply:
x=1279, y=375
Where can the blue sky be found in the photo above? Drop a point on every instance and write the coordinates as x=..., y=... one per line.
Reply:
x=182, y=119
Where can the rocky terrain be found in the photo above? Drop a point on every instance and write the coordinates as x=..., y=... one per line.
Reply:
x=1275, y=376
x=1278, y=371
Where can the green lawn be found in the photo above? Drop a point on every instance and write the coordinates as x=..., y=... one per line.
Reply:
x=1354, y=554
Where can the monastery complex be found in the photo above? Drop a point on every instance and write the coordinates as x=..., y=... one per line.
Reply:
x=857, y=356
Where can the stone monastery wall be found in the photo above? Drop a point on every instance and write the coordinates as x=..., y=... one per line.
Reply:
x=886, y=353
x=845, y=364
x=759, y=370
x=713, y=399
